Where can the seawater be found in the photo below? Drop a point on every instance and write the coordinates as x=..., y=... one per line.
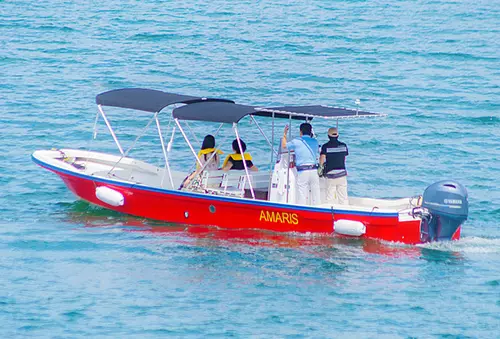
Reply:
x=68, y=269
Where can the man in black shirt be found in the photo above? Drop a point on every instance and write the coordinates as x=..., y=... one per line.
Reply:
x=332, y=157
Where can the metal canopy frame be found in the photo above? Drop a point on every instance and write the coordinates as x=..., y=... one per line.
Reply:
x=166, y=148
x=282, y=112
x=124, y=98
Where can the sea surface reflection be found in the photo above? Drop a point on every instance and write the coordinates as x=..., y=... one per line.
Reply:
x=321, y=245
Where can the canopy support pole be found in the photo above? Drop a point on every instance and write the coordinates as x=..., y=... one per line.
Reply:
x=94, y=134
x=187, y=141
x=262, y=132
x=167, y=165
x=135, y=141
x=271, y=165
x=192, y=132
x=110, y=129
x=244, y=161
x=272, y=142
x=218, y=129
x=289, y=158
x=170, y=143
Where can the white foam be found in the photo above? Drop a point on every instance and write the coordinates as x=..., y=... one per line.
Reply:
x=466, y=245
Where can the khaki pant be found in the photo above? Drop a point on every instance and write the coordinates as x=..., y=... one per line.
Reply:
x=336, y=191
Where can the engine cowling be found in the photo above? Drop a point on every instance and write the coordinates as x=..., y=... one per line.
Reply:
x=447, y=206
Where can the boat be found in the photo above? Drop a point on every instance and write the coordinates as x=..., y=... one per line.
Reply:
x=263, y=200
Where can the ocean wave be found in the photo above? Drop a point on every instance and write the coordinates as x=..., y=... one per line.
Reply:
x=455, y=56
x=483, y=120
x=156, y=37
x=56, y=28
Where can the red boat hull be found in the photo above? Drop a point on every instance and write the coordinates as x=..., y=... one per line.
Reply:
x=233, y=213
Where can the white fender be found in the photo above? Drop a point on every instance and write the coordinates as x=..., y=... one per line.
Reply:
x=109, y=196
x=349, y=227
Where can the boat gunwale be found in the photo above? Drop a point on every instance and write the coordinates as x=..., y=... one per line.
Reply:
x=264, y=203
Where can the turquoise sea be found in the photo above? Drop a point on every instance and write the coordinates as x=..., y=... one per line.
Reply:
x=69, y=270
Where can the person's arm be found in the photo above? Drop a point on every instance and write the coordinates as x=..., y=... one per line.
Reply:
x=322, y=159
x=283, y=140
x=190, y=177
x=251, y=166
x=228, y=166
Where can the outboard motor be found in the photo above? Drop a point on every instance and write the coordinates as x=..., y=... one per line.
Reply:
x=447, y=207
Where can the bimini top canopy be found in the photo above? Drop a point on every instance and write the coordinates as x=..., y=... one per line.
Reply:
x=213, y=111
x=315, y=111
x=231, y=113
x=216, y=110
x=148, y=100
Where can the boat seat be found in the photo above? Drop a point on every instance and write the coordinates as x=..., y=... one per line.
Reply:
x=212, y=179
x=222, y=183
x=219, y=182
x=235, y=183
x=260, y=184
x=230, y=184
x=260, y=181
x=231, y=179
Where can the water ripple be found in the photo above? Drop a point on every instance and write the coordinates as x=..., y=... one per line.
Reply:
x=69, y=269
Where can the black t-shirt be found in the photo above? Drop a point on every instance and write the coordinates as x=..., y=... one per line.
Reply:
x=238, y=164
x=335, y=152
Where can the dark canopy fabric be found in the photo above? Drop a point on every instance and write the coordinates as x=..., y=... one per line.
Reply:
x=314, y=111
x=230, y=112
x=148, y=100
x=213, y=111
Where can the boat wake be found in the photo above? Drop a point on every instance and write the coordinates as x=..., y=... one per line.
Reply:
x=466, y=245
x=80, y=212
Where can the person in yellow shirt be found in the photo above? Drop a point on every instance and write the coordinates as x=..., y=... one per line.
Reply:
x=235, y=161
x=209, y=157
